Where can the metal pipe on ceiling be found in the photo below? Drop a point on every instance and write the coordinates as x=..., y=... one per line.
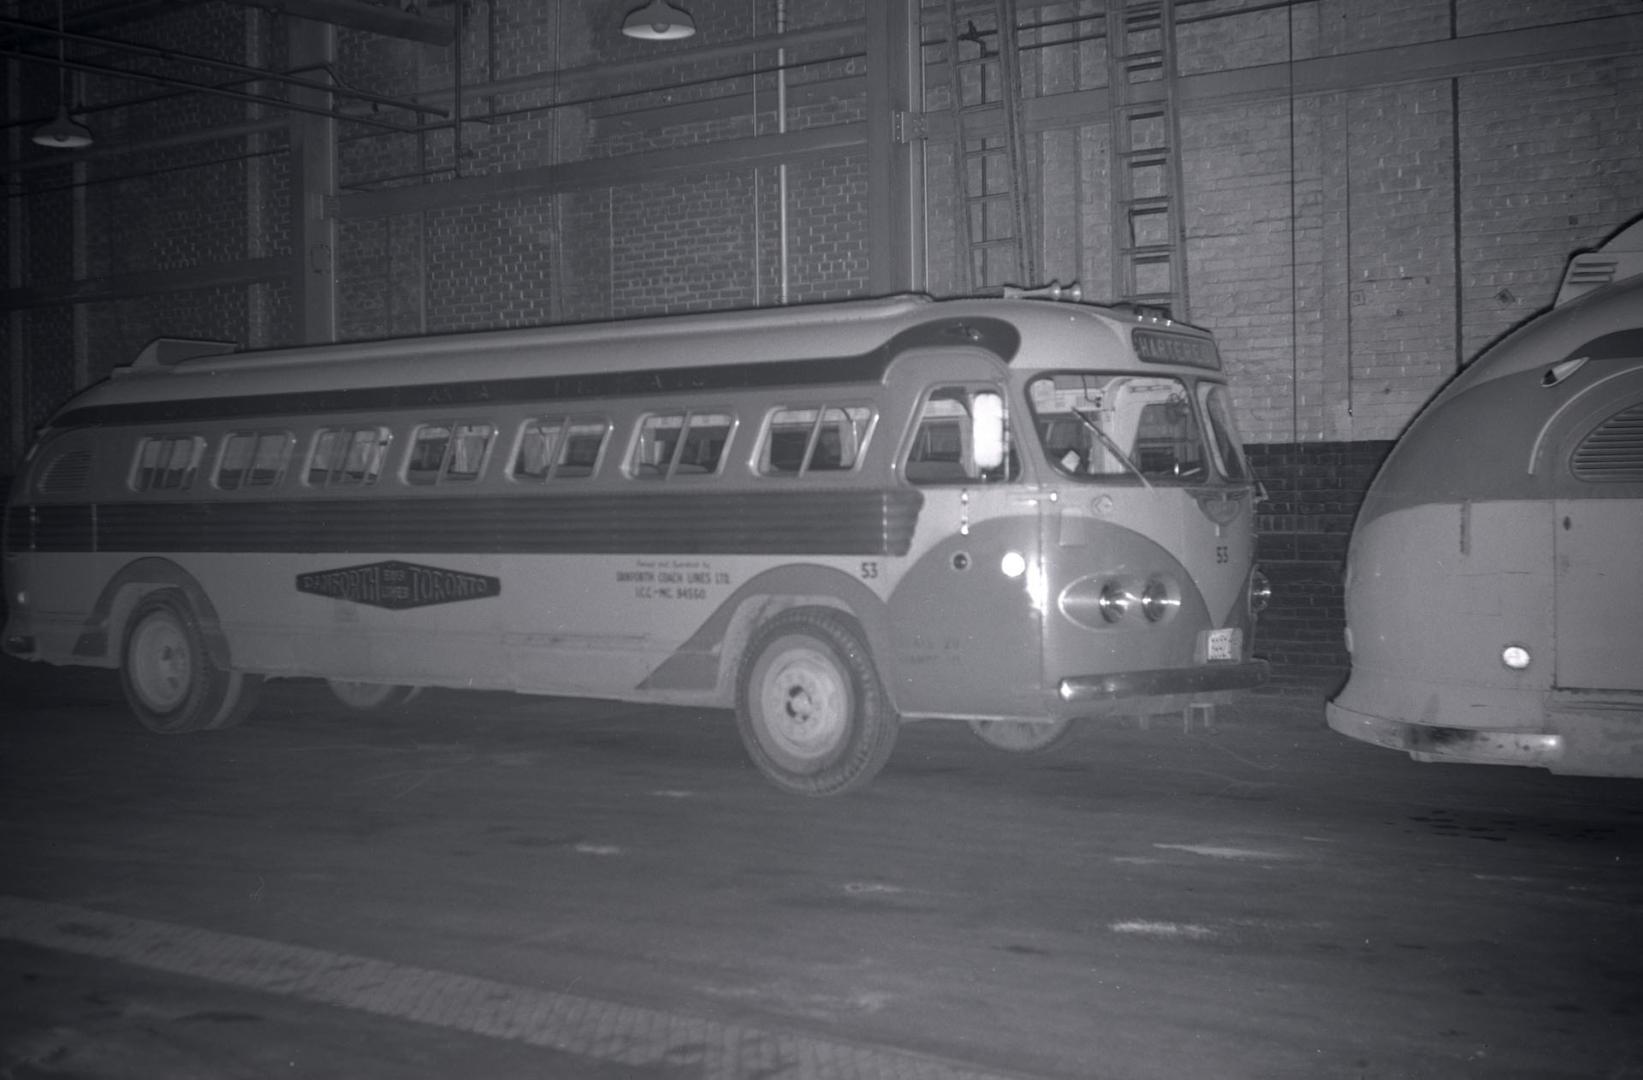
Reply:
x=217, y=91
x=173, y=56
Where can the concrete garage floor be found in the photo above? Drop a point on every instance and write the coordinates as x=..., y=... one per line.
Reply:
x=496, y=886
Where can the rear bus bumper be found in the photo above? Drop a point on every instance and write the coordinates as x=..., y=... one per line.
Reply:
x=1430, y=742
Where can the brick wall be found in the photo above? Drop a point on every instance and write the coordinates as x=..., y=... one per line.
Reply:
x=1550, y=159
x=1313, y=493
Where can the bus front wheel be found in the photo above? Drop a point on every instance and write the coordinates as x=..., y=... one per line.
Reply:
x=1021, y=736
x=811, y=708
x=370, y=697
x=170, y=681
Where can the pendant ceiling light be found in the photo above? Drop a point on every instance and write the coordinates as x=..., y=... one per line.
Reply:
x=61, y=133
x=658, y=21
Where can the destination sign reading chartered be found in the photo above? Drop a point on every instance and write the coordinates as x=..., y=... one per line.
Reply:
x=398, y=585
x=1158, y=347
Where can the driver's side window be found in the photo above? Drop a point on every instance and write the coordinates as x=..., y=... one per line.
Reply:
x=942, y=450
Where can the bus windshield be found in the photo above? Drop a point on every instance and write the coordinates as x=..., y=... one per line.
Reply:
x=1096, y=426
x=1224, y=440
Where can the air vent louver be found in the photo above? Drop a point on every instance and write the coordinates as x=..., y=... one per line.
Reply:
x=1613, y=452
x=68, y=472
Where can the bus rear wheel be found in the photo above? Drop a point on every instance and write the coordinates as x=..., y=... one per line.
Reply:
x=170, y=681
x=1021, y=736
x=810, y=705
x=370, y=697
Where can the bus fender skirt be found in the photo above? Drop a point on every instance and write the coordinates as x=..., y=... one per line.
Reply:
x=1434, y=743
x=709, y=659
x=1124, y=685
x=94, y=640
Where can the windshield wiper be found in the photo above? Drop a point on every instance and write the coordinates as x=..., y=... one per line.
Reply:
x=1107, y=441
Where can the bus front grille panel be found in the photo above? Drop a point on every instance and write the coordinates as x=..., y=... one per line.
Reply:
x=647, y=521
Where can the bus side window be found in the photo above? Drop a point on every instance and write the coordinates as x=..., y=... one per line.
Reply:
x=806, y=440
x=166, y=463
x=840, y=438
x=447, y=452
x=254, y=459
x=656, y=444
x=787, y=441
x=940, y=454
x=347, y=456
x=559, y=447
x=538, y=445
x=680, y=444
x=705, y=437
x=583, y=444
x=428, y=448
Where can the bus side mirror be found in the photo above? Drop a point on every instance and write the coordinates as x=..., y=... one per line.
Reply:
x=987, y=438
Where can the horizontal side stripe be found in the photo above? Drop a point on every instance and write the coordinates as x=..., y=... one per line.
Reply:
x=867, y=522
x=995, y=335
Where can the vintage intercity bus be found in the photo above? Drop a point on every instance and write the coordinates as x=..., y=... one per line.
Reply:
x=1494, y=592
x=1011, y=511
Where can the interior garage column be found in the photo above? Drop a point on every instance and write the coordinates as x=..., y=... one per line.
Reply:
x=895, y=153
x=313, y=47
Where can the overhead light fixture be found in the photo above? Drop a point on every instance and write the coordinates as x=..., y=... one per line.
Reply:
x=61, y=133
x=658, y=21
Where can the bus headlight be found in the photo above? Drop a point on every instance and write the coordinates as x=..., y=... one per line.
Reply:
x=1114, y=601
x=1013, y=564
x=1158, y=600
x=1103, y=602
x=1515, y=657
x=1260, y=592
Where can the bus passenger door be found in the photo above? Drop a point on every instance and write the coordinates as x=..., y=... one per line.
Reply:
x=966, y=623
x=1598, y=523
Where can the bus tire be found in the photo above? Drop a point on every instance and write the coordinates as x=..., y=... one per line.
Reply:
x=370, y=697
x=170, y=681
x=811, y=708
x=1021, y=736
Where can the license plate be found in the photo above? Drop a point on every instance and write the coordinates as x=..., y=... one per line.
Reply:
x=1223, y=644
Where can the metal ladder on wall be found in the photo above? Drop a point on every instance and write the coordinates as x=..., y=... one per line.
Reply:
x=1149, y=263
x=992, y=239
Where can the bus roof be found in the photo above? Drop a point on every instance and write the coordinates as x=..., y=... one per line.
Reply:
x=848, y=337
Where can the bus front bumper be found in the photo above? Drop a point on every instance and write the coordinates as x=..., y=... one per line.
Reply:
x=1163, y=682
x=1432, y=743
